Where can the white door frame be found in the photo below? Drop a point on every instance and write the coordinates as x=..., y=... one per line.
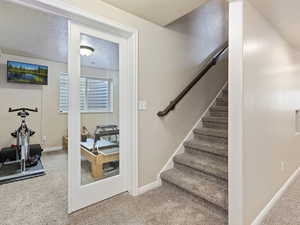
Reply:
x=81, y=196
x=235, y=113
x=76, y=14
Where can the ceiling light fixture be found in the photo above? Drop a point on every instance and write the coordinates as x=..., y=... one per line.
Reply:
x=86, y=50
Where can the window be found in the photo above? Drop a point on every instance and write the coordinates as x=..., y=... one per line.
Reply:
x=95, y=94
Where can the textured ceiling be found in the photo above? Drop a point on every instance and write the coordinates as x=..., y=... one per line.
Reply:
x=284, y=15
x=161, y=12
x=106, y=54
x=31, y=33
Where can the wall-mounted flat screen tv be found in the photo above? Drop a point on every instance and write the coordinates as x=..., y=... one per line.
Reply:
x=26, y=73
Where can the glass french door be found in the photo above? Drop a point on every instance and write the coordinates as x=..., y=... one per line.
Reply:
x=97, y=132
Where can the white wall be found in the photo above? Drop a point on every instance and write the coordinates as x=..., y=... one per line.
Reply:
x=169, y=58
x=166, y=65
x=48, y=122
x=284, y=15
x=270, y=97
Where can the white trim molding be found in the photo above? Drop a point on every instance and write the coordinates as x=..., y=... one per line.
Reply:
x=68, y=10
x=189, y=136
x=235, y=113
x=149, y=187
x=261, y=216
x=53, y=149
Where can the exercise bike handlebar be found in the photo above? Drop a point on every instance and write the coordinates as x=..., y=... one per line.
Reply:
x=22, y=109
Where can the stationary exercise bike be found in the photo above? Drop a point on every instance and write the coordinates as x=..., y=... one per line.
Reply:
x=26, y=162
x=23, y=135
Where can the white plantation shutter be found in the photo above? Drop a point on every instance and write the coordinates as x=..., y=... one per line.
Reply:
x=95, y=94
x=98, y=95
x=82, y=93
x=63, y=93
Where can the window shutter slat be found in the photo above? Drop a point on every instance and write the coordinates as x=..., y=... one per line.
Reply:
x=98, y=95
x=95, y=94
x=63, y=93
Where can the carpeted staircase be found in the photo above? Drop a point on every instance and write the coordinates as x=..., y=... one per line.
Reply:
x=202, y=170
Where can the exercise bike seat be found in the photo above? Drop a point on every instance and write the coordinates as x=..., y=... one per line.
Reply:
x=23, y=114
x=14, y=134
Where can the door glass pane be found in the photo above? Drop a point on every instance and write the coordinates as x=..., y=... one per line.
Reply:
x=99, y=105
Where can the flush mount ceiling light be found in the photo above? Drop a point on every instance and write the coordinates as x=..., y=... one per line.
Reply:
x=86, y=50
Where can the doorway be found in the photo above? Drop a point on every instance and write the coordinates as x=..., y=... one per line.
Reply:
x=86, y=177
x=98, y=159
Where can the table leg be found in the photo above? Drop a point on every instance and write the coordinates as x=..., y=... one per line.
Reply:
x=97, y=170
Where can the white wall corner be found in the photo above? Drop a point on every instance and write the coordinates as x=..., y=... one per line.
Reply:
x=180, y=149
x=235, y=115
x=265, y=211
x=2, y=61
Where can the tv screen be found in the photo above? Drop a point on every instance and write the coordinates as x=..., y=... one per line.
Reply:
x=19, y=72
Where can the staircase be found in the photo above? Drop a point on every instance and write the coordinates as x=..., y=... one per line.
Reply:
x=202, y=169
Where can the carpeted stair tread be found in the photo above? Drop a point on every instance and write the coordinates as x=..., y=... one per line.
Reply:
x=221, y=133
x=219, y=111
x=207, y=146
x=215, y=119
x=202, y=186
x=215, y=122
x=222, y=101
x=204, y=162
x=219, y=108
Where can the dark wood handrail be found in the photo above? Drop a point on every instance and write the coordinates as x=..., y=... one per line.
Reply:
x=211, y=62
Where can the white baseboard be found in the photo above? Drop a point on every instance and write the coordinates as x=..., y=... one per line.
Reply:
x=189, y=136
x=53, y=149
x=148, y=187
x=261, y=216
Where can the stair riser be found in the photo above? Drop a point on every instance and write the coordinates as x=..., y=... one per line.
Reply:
x=215, y=125
x=198, y=169
x=219, y=113
x=219, y=108
x=221, y=103
x=222, y=153
x=221, y=201
x=212, y=208
x=207, y=167
x=208, y=154
x=222, y=99
x=225, y=93
x=211, y=138
x=207, y=204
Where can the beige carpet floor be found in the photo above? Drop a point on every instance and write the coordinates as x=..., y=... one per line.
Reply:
x=287, y=209
x=43, y=201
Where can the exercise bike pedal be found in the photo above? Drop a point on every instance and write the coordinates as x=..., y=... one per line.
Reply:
x=33, y=161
